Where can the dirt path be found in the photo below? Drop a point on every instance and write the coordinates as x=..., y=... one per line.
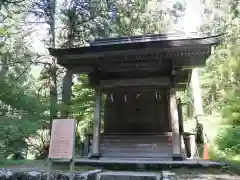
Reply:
x=203, y=174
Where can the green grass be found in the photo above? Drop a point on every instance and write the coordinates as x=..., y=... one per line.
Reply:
x=40, y=164
x=9, y=162
x=234, y=163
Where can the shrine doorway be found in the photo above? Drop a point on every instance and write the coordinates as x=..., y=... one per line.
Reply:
x=136, y=112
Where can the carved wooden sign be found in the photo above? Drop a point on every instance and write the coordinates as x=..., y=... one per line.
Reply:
x=62, y=142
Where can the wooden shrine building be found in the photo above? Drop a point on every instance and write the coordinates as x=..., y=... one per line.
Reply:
x=139, y=76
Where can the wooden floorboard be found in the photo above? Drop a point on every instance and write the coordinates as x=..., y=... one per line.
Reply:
x=147, y=161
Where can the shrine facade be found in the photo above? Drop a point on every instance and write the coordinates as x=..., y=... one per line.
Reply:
x=140, y=76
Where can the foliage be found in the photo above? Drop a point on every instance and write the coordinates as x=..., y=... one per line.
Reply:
x=220, y=78
x=22, y=111
x=9, y=162
x=231, y=146
x=22, y=114
x=24, y=101
x=26, y=105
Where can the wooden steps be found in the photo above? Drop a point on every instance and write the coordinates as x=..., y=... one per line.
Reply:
x=135, y=146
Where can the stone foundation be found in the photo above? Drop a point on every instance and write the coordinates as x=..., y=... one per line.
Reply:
x=126, y=175
x=173, y=174
x=39, y=175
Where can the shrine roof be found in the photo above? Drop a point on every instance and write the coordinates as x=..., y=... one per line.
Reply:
x=149, y=53
x=104, y=46
x=152, y=38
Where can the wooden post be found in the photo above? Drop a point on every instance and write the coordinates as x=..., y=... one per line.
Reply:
x=181, y=128
x=96, y=125
x=49, y=170
x=86, y=146
x=180, y=115
x=194, y=152
x=176, y=140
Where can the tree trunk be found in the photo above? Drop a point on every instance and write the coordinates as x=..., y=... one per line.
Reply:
x=196, y=92
x=67, y=80
x=66, y=94
x=53, y=68
x=53, y=92
x=4, y=68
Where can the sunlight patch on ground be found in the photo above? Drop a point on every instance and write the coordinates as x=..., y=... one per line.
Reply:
x=235, y=158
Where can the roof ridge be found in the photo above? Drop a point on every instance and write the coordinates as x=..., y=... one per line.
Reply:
x=148, y=38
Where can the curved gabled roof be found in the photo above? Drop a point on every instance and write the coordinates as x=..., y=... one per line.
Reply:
x=140, y=56
x=110, y=45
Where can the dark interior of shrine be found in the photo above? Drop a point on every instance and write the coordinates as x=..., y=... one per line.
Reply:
x=136, y=112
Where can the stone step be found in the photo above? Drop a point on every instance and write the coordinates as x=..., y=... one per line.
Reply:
x=128, y=175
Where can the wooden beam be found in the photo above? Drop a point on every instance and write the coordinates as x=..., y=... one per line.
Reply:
x=161, y=81
x=180, y=62
x=131, y=67
x=191, y=61
x=79, y=69
x=176, y=139
x=152, y=65
x=96, y=125
x=143, y=88
x=95, y=52
x=134, y=89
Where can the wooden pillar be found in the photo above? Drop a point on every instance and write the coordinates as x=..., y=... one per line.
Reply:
x=96, y=125
x=180, y=115
x=176, y=140
x=66, y=94
x=181, y=129
x=86, y=145
x=194, y=152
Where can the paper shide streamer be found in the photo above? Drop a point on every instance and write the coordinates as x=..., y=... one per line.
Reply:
x=111, y=97
x=137, y=95
x=158, y=96
x=125, y=97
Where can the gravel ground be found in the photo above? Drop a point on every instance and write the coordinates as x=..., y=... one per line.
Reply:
x=201, y=174
x=173, y=174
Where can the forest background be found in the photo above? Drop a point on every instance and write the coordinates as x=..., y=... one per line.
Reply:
x=31, y=82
